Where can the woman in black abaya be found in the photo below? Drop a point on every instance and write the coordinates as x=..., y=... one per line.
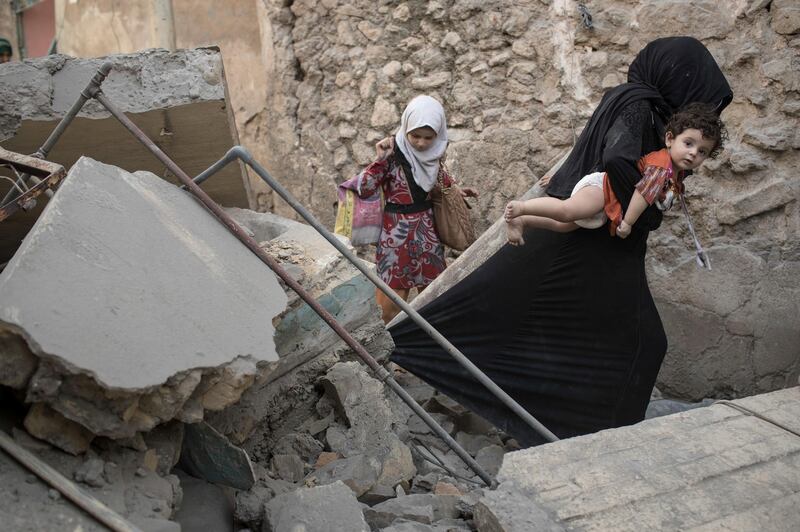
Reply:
x=579, y=354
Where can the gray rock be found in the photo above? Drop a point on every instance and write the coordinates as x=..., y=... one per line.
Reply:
x=417, y=426
x=422, y=508
x=444, y=405
x=376, y=495
x=288, y=467
x=785, y=17
x=359, y=472
x=249, y=505
x=329, y=508
x=167, y=440
x=491, y=458
x=302, y=444
x=473, y=443
x=91, y=473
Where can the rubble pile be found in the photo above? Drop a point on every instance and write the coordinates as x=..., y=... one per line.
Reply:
x=363, y=450
x=129, y=319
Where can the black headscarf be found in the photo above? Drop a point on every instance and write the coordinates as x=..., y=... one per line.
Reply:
x=669, y=73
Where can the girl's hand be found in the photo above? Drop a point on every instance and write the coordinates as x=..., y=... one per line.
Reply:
x=384, y=148
x=468, y=192
x=624, y=229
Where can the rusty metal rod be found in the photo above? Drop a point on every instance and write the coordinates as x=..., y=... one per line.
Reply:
x=326, y=316
x=89, y=504
x=86, y=94
x=238, y=152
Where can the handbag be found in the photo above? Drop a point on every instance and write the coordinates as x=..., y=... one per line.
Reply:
x=451, y=215
x=359, y=219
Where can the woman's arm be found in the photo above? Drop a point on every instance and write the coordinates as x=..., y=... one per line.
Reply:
x=624, y=145
x=373, y=176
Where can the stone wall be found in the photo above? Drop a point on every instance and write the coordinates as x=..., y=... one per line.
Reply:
x=518, y=80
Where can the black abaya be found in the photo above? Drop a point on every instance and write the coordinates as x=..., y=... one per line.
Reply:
x=566, y=324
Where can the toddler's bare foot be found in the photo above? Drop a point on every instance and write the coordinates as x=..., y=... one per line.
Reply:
x=512, y=210
x=514, y=229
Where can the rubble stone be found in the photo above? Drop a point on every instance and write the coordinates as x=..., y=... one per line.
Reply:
x=358, y=472
x=288, y=467
x=324, y=508
x=46, y=424
x=423, y=508
x=18, y=363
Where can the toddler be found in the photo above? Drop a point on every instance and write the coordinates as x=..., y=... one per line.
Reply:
x=693, y=134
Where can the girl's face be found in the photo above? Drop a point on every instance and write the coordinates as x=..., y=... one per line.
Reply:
x=421, y=138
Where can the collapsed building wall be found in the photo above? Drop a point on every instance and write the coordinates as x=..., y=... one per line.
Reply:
x=177, y=98
x=519, y=80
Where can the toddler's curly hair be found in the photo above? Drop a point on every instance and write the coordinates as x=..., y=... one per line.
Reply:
x=699, y=116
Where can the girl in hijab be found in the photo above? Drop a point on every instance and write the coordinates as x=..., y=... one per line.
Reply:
x=578, y=354
x=409, y=252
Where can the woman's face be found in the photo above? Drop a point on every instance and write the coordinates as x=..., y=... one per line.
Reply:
x=421, y=138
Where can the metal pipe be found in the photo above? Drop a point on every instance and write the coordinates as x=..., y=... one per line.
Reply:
x=326, y=316
x=86, y=94
x=238, y=152
x=92, y=506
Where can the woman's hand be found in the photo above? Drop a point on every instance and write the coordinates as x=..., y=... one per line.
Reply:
x=624, y=229
x=544, y=181
x=384, y=148
x=468, y=192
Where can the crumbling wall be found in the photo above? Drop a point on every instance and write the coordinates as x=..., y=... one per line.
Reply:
x=518, y=80
x=93, y=28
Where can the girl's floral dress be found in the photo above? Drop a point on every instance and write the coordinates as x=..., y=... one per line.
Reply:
x=409, y=252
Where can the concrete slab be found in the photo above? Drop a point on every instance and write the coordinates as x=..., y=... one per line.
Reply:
x=709, y=468
x=130, y=280
x=177, y=98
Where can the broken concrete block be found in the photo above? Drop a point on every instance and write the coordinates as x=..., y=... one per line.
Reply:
x=166, y=440
x=177, y=98
x=17, y=362
x=473, y=443
x=329, y=508
x=165, y=288
x=490, y=458
x=397, y=465
x=46, y=424
x=358, y=472
x=250, y=504
x=209, y=455
x=377, y=494
x=300, y=444
x=91, y=473
x=289, y=467
x=325, y=458
x=423, y=508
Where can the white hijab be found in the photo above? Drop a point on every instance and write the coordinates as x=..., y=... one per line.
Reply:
x=423, y=111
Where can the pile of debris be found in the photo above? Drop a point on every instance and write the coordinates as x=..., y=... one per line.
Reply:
x=363, y=461
x=148, y=345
